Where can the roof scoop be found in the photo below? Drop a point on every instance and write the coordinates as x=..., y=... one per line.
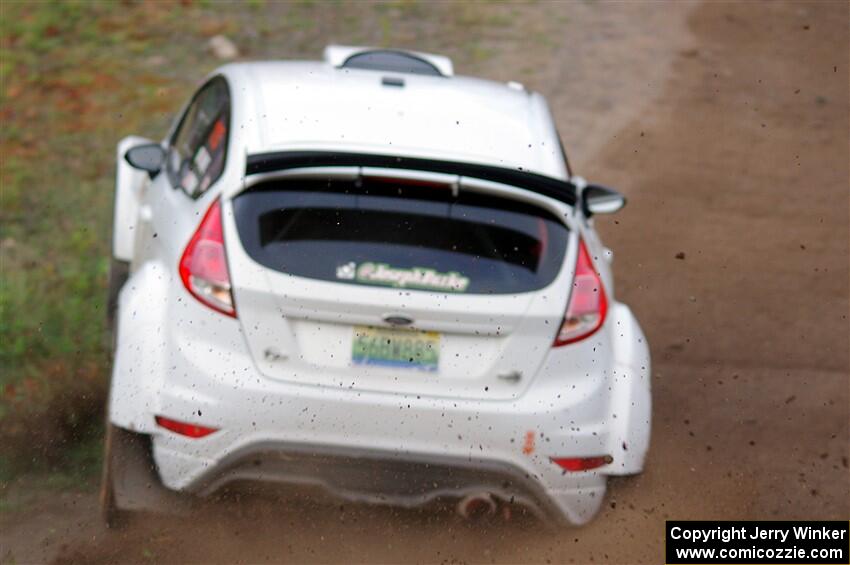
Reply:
x=389, y=60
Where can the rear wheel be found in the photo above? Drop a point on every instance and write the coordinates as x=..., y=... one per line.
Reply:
x=111, y=515
x=119, y=272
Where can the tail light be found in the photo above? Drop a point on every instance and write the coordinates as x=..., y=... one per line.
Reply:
x=203, y=267
x=193, y=431
x=575, y=464
x=588, y=304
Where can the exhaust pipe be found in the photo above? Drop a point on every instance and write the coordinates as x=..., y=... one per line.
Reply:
x=476, y=507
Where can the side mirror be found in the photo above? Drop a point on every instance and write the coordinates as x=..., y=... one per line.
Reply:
x=599, y=199
x=149, y=157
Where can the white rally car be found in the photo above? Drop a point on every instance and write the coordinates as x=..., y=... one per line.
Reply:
x=374, y=277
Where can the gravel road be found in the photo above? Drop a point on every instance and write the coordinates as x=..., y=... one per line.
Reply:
x=726, y=126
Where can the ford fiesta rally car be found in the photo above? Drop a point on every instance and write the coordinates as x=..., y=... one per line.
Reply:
x=371, y=276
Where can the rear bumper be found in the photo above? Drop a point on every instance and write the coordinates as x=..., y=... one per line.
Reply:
x=394, y=479
x=370, y=446
x=384, y=448
x=391, y=450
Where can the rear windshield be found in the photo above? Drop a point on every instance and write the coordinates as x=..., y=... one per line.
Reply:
x=394, y=234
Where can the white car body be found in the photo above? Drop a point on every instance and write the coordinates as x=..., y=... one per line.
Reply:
x=277, y=381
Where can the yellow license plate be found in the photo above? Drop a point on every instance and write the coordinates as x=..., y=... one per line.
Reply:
x=396, y=348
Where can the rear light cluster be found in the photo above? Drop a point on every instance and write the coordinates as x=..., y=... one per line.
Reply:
x=575, y=464
x=588, y=304
x=193, y=431
x=203, y=267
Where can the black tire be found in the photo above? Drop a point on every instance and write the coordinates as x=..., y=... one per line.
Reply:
x=111, y=515
x=119, y=272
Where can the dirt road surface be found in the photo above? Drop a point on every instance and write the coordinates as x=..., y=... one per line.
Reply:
x=726, y=124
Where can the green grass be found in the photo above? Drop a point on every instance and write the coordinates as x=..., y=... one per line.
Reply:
x=75, y=77
x=77, y=469
x=64, y=100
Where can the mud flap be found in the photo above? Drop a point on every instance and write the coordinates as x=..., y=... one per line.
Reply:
x=134, y=481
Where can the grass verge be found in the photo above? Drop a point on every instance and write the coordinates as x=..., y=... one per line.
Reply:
x=76, y=77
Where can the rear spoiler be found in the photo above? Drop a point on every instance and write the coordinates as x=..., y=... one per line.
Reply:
x=563, y=191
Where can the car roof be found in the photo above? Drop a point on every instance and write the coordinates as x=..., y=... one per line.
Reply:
x=298, y=105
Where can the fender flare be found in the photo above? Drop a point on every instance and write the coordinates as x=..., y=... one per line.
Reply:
x=631, y=397
x=138, y=371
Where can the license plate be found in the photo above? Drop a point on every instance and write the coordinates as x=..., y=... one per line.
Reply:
x=396, y=348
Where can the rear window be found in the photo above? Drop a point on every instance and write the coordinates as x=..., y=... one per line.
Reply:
x=396, y=234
